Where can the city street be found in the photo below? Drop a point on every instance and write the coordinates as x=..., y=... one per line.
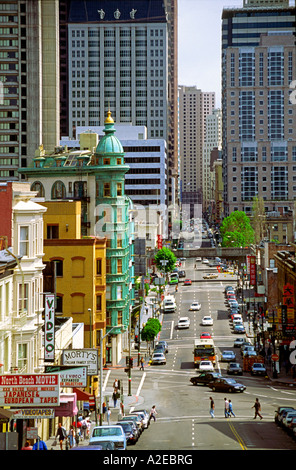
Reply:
x=183, y=420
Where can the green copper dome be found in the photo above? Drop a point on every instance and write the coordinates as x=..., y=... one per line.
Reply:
x=109, y=144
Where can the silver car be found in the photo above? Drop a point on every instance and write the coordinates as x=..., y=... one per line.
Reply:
x=158, y=358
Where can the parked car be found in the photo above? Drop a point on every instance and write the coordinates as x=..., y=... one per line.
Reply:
x=195, y=306
x=234, y=368
x=136, y=419
x=228, y=356
x=238, y=342
x=210, y=276
x=131, y=432
x=102, y=434
x=187, y=282
x=158, y=358
x=282, y=414
x=292, y=426
x=207, y=321
x=288, y=418
x=205, y=261
x=165, y=344
x=159, y=348
x=226, y=385
x=184, y=322
x=145, y=416
x=258, y=369
x=279, y=411
x=206, y=366
x=204, y=378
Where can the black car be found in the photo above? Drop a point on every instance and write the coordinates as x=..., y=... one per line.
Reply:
x=160, y=348
x=226, y=385
x=258, y=369
x=234, y=368
x=205, y=378
x=165, y=345
x=182, y=273
x=130, y=431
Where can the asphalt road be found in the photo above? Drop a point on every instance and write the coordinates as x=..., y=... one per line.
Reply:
x=183, y=420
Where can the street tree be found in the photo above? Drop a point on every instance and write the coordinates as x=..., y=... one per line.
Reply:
x=151, y=329
x=236, y=230
x=165, y=260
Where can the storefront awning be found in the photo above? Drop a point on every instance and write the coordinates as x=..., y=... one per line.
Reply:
x=67, y=406
x=82, y=395
x=5, y=415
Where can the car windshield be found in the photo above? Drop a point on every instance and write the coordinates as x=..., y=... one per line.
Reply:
x=230, y=381
x=158, y=355
x=106, y=432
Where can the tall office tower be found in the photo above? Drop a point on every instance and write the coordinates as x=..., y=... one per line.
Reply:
x=116, y=56
x=259, y=131
x=29, y=81
x=194, y=107
x=213, y=139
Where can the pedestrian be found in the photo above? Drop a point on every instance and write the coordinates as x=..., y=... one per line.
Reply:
x=153, y=412
x=257, y=407
x=212, y=407
x=108, y=416
x=61, y=434
x=27, y=446
x=230, y=410
x=114, y=396
x=142, y=364
x=71, y=436
x=104, y=410
x=115, y=385
x=40, y=445
x=83, y=428
x=226, y=404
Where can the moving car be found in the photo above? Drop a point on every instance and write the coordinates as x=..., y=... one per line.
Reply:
x=159, y=348
x=258, y=369
x=234, y=368
x=158, y=358
x=226, y=385
x=165, y=345
x=228, y=356
x=207, y=320
x=198, y=259
x=247, y=347
x=205, y=261
x=210, y=276
x=195, y=306
x=240, y=329
x=205, y=335
x=184, y=322
x=182, y=274
x=249, y=353
x=102, y=434
x=187, y=282
x=238, y=342
x=204, y=378
x=206, y=366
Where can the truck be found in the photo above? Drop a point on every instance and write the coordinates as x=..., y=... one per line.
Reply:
x=169, y=304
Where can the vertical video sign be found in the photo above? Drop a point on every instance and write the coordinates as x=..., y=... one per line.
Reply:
x=252, y=261
x=49, y=327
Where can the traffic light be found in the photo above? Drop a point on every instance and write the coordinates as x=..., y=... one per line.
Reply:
x=136, y=339
x=131, y=362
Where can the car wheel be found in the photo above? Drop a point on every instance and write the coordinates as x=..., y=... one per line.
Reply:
x=230, y=390
x=214, y=389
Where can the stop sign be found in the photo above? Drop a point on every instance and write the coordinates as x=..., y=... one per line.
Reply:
x=274, y=357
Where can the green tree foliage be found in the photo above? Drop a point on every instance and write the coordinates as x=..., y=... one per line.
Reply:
x=151, y=329
x=165, y=254
x=236, y=230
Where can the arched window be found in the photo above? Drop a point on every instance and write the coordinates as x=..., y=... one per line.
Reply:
x=37, y=186
x=58, y=190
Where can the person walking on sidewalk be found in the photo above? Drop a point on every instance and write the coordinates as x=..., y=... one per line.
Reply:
x=230, y=410
x=212, y=407
x=257, y=407
x=61, y=434
x=226, y=404
x=114, y=396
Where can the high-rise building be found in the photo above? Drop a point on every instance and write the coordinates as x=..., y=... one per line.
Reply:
x=29, y=81
x=259, y=132
x=213, y=139
x=121, y=56
x=194, y=107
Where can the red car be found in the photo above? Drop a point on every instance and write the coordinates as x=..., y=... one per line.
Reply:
x=187, y=282
x=205, y=335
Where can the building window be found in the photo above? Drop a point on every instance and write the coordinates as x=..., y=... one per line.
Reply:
x=24, y=241
x=22, y=357
x=37, y=186
x=108, y=266
x=98, y=303
x=58, y=190
x=119, y=266
x=99, y=267
x=23, y=304
x=52, y=232
x=119, y=189
x=107, y=190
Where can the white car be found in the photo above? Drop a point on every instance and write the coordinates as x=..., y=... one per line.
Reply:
x=207, y=321
x=158, y=358
x=195, y=306
x=183, y=322
x=206, y=366
x=205, y=261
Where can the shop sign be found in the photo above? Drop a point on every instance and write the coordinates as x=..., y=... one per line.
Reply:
x=23, y=390
x=252, y=261
x=31, y=413
x=82, y=357
x=70, y=376
x=49, y=327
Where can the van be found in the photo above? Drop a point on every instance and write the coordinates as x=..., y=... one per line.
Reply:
x=169, y=303
x=108, y=434
x=174, y=278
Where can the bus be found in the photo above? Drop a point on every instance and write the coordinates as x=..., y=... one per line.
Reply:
x=204, y=349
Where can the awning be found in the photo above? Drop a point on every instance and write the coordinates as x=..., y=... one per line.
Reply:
x=5, y=415
x=67, y=406
x=82, y=395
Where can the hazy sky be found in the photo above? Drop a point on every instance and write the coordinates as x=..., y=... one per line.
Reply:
x=199, y=37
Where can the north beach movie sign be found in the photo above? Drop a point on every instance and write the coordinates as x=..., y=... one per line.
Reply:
x=49, y=327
